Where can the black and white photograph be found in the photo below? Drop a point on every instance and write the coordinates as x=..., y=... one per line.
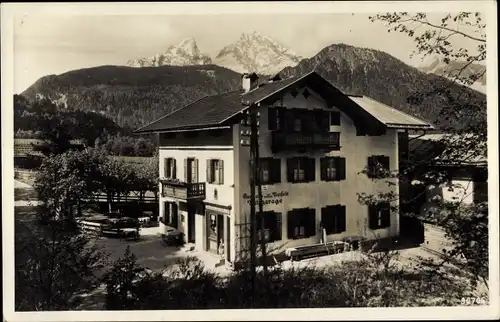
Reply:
x=250, y=161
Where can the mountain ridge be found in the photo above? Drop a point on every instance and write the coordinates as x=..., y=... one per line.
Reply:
x=133, y=97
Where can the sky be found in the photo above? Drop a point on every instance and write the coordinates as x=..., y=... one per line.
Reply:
x=47, y=42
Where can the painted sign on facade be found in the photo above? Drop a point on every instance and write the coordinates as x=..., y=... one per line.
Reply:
x=268, y=198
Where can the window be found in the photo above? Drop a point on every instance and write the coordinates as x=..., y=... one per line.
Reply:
x=378, y=166
x=270, y=170
x=215, y=171
x=169, y=168
x=333, y=219
x=190, y=170
x=334, y=118
x=301, y=223
x=272, y=225
x=379, y=215
x=332, y=168
x=301, y=169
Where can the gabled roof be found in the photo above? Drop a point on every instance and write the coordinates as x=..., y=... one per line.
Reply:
x=391, y=117
x=216, y=110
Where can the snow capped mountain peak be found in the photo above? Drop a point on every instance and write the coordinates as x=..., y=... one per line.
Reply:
x=436, y=65
x=253, y=52
x=185, y=53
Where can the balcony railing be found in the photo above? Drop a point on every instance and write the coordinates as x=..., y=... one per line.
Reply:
x=286, y=141
x=183, y=190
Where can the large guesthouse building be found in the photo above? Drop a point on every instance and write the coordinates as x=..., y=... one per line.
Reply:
x=315, y=144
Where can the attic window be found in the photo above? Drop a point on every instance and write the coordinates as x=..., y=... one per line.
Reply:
x=306, y=93
x=294, y=93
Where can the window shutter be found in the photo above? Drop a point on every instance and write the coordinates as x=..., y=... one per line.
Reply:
x=371, y=166
x=174, y=169
x=325, y=121
x=221, y=171
x=340, y=168
x=175, y=215
x=186, y=170
x=385, y=161
x=323, y=166
x=209, y=171
x=195, y=170
x=342, y=219
x=291, y=224
x=311, y=169
x=165, y=167
x=311, y=222
x=278, y=228
x=272, y=119
x=275, y=170
x=386, y=217
x=290, y=165
x=372, y=216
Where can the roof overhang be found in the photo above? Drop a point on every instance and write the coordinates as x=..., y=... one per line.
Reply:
x=185, y=129
x=409, y=126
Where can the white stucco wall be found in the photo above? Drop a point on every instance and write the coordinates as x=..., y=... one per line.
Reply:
x=202, y=154
x=356, y=150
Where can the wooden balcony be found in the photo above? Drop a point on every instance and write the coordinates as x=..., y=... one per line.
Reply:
x=183, y=190
x=282, y=141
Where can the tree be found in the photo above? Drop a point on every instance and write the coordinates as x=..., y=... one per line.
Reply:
x=465, y=225
x=66, y=179
x=52, y=266
x=115, y=179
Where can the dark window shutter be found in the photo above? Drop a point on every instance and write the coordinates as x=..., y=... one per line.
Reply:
x=371, y=166
x=326, y=220
x=165, y=167
x=386, y=215
x=209, y=171
x=310, y=169
x=221, y=171
x=342, y=218
x=372, y=216
x=275, y=168
x=185, y=170
x=175, y=215
x=340, y=168
x=311, y=222
x=290, y=166
x=334, y=118
x=325, y=121
x=174, y=169
x=277, y=231
x=272, y=124
x=385, y=161
x=323, y=164
x=291, y=218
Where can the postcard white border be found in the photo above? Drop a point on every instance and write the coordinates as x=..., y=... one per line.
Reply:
x=421, y=313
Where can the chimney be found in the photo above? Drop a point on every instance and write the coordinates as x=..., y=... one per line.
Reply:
x=249, y=81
